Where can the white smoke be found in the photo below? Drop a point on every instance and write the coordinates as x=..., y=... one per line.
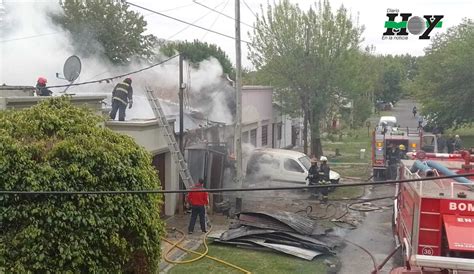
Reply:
x=33, y=46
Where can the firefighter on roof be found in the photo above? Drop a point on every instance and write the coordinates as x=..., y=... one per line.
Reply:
x=122, y=95
x=41, y=89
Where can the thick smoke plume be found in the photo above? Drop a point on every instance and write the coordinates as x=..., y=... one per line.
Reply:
x=33, y=46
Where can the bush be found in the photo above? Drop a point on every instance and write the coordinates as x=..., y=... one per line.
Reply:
x=56, y=146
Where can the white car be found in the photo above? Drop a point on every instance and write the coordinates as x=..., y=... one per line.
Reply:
x=390, y=120
x=281, y=165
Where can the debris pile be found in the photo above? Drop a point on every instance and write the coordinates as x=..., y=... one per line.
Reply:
x=284, y=232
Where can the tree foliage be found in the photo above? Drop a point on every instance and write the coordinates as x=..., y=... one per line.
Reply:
x=444, y=84
x=106, y=27
x=397, y=72
x=197, y=52
x=57, y=147
x=301, y=50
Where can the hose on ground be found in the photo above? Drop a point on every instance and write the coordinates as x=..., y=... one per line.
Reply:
x=309, y=209
x=200, y=255
x=366, y=251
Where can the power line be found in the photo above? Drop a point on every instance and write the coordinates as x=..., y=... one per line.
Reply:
x=215, y=20
x=184, y=22
x=30, y=37
x=221, y=13
x=219, y=190
x=54, y=33
x=251, y=11
x=172, y=9
x=185, y=28
x=115, y=77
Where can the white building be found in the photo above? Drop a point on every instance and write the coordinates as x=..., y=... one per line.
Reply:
x=145, y=132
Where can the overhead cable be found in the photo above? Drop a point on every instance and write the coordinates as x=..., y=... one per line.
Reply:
x=195, y=21
x=184, y=22
x=221, y=13
x=115, y=77
x=161, y=191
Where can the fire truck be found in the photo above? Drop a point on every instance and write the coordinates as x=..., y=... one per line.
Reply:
x=412, y=139
x=434, y=220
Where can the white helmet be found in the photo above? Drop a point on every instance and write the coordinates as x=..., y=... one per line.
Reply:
x=323, y=159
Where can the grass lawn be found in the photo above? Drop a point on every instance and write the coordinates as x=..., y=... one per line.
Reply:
x=349, y=146
x=251, y=260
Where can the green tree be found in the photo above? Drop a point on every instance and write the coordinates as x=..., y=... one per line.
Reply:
x=444, y=84
x=198, y=51
x=57, y=147
x=108, y=28
x=301, y=51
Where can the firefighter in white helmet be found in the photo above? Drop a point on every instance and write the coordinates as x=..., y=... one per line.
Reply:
x=324, y=171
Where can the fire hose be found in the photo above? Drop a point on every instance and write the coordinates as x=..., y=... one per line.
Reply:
x=200, y=255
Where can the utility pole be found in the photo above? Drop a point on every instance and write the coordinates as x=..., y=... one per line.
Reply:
x=181, y=110
x=238, y=101
x=181, y=127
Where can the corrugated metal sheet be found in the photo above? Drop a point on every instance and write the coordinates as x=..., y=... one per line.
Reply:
x=294, y=221
x=284, y=232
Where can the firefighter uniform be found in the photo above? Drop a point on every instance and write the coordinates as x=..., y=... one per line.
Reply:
x=122, y=95
x=313, y=176
x=393, y=158
x=324, y=179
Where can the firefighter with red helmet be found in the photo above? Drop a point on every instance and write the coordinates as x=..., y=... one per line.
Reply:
x=122, y=95
x=41, y=89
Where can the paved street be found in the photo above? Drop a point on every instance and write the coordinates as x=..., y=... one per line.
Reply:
x=375, y=233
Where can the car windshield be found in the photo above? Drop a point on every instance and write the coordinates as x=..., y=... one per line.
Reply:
x=305, y=161
x=389, y=123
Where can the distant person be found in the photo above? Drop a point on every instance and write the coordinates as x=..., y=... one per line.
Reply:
x=420, y=122
x=393, y=158
x=414, y=111
x=313, y=176
x=402, y=152
x=198, y=201
x=450, y=145
x=441, y=143
x=122, y=95
x=458, y=145
x=41, y=89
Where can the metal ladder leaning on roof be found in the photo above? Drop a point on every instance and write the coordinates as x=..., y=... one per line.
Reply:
x=168, y=133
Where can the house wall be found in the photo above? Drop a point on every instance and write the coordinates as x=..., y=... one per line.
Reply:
x=147, y=133
x=93, y=102
x=286, y=122
x=257, y=111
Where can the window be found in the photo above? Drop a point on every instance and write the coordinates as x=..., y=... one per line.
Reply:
x=305, y=161
x=264, y=135
x=253, y=137
x=292, y=165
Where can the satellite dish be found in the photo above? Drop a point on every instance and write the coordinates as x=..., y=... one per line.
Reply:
x=72, y=68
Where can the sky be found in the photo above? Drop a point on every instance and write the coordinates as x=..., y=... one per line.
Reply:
x=371, y=14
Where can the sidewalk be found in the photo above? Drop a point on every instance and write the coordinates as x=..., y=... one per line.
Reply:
x=192, y=242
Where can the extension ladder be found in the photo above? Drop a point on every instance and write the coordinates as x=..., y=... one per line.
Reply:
x=171, y=140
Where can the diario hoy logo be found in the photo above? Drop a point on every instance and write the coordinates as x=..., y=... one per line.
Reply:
x=414, y=25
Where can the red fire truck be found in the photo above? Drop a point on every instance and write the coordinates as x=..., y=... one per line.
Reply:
x=412, y=139
x=434, y=220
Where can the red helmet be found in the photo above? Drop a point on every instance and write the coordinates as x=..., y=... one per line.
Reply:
x=42, y=81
